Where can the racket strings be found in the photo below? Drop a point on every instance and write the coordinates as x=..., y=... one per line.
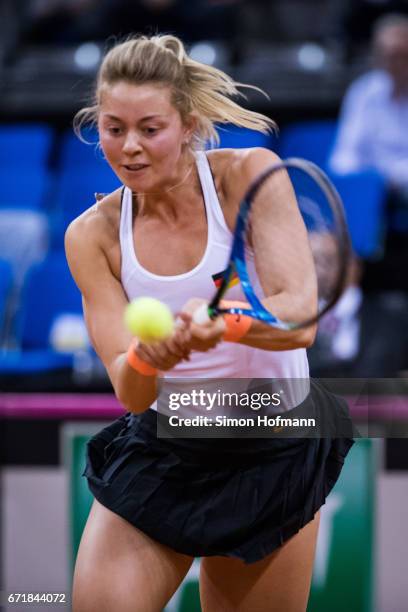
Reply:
x=294, y=252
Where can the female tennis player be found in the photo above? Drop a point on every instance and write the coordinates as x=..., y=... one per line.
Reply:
x=248, y=508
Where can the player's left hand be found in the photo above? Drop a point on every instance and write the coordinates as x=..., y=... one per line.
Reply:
x=204, y=337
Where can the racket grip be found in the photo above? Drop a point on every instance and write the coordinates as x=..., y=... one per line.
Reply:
x=201, y=316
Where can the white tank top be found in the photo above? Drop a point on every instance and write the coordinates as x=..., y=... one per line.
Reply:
x=227, y=360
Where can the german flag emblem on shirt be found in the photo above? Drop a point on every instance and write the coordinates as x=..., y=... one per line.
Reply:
x=217, y=278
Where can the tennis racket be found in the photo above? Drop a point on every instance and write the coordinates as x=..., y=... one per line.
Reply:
x=303, y=245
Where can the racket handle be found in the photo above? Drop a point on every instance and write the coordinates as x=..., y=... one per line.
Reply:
x=201, y=316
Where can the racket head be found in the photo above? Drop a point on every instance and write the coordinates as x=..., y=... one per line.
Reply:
x=307, y=237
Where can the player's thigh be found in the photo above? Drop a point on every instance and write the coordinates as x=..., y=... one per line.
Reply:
x=120, y=569
x=279, y=582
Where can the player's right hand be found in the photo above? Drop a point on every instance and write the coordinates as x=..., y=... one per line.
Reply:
x=166, y=354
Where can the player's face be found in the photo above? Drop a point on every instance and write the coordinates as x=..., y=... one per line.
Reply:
x=142, y=135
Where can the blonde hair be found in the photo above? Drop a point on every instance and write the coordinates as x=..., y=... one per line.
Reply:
x=196, y=87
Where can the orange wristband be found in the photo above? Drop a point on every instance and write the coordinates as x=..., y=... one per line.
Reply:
x=138, y=364
x=237, y=326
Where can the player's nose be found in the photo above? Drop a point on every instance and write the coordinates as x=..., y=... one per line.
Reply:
x=131, y=144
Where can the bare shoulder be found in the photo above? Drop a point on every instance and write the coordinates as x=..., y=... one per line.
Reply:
x=96, y=224
x=94, y=235
x=239, y=167
x=234, y=170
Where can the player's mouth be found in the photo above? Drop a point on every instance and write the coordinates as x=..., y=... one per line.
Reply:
x=135, y=167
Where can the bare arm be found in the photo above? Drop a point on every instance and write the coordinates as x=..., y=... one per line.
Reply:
x=283, y=258
x=282, y=255
x=104, y=302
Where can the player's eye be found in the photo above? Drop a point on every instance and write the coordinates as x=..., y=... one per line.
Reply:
x=114, y=130
x=150, y=131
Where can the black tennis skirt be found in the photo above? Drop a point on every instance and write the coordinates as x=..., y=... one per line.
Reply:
x=235, y=497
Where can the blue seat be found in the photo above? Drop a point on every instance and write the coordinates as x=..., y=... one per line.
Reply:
x=312, y=140
x=6, y=283
x=364, y=197
x=74, y=152
x=48, y=292
x=24, y=170
x=26, y=189
x=82, y=172
x=363, y=193
x=232, y=136
x=22, y=144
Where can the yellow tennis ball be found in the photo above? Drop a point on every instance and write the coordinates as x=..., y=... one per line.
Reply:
x=149, y=319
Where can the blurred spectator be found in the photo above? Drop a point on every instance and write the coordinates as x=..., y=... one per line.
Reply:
x=374, y=119
x=373, y=133
x=363, y=335
x=354, y=19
